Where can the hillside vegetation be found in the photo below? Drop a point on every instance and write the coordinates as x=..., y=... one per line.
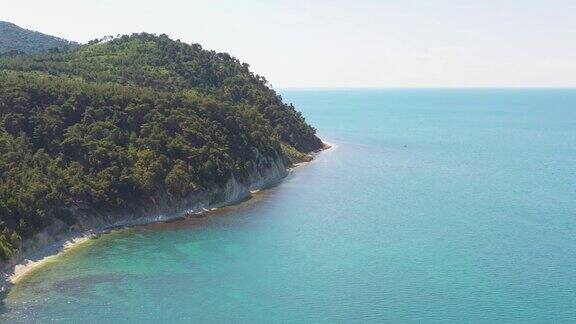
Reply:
x=14, y=39
x=124, y=122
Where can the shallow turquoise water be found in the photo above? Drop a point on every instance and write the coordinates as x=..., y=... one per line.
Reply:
x=434, y=206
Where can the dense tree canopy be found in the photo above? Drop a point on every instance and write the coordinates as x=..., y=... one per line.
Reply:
x=146, y=60
x=126, y=121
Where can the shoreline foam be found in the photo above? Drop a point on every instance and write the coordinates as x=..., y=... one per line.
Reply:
x=22, y=270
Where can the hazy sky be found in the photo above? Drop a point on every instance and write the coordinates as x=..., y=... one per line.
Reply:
x=354, y=43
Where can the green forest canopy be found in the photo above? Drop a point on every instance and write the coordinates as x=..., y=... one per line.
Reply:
x=127, y=121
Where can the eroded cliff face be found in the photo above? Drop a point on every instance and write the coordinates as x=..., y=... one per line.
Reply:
x=52, y=239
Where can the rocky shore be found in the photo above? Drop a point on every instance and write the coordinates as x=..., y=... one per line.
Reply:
x=60, y=236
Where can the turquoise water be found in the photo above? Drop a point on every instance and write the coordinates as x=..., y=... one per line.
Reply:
x=433, y=206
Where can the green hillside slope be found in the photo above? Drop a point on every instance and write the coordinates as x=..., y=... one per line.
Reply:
x=130, y=121
x=17, y=39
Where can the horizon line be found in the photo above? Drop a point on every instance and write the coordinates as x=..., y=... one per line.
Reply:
x=426, y=88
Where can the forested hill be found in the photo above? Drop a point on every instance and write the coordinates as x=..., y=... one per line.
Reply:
x=15, y=39
x=129, y=121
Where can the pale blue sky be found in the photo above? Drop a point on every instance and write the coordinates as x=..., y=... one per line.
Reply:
x=361, y=43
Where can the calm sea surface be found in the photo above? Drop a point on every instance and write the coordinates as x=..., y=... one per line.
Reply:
x=433, y=206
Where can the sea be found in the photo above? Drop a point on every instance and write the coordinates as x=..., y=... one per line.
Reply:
x=432, y=206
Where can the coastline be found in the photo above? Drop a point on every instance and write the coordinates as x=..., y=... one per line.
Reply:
x=21, y=270
x=327, y=146
x=39, y=258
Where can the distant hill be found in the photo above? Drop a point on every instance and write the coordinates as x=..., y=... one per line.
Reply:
x=17, y=39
